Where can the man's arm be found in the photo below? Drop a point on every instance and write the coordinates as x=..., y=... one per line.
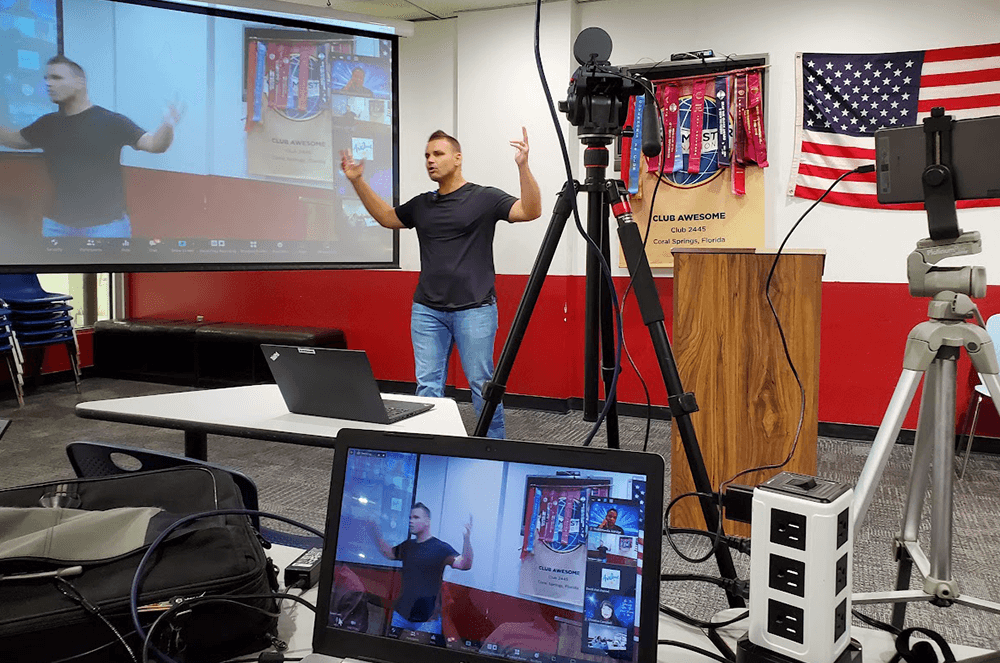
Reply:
x=160, y=140
x=464, y=561
x=383, y=546
x=529, y=206
x=13, y=139
x=380, y=210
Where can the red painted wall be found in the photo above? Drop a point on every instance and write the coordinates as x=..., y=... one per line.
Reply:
x=864, y=329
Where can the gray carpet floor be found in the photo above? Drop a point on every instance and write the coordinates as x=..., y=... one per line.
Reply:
x=293, y=481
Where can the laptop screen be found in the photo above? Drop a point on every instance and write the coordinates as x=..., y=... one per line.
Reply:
x=504, y=557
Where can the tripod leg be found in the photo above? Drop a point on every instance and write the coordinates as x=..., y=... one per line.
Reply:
x=884, y=439
x=494, y=389
x=681, y=404
x=917, y=489
x=939, y=582
x=904, y=571
x=920, y=464
x=608, y=335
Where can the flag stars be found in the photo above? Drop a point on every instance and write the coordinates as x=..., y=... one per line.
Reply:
x=909, y=63
x=888, y=65
x=868, y=65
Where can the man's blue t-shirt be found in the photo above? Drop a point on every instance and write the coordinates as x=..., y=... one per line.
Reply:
x=423, y=570
x=456, y=244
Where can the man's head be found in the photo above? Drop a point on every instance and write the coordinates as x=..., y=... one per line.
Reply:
x=420, y=518
x=611, y=516
x=65, y=79
x=357, y=76
x=443, y=157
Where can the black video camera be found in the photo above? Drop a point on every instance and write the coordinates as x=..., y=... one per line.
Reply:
x=597, y=100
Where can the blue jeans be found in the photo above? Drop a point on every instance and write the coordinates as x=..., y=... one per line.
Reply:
x=473, y=330
x=432, y=626
x=118, y=228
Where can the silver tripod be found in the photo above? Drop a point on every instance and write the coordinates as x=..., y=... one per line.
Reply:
x=932, y=348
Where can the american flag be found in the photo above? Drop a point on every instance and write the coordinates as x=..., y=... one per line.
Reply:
x=845, y=98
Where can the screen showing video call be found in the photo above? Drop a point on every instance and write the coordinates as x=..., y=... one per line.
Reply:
x=510, y=560
x=260, y=110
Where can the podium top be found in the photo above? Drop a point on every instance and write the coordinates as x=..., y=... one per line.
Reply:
x=797, y=252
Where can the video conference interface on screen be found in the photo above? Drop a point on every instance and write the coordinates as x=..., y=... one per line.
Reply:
x=260, y=111
x=517, y=561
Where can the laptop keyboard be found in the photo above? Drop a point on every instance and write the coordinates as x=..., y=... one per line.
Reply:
x=395, y=410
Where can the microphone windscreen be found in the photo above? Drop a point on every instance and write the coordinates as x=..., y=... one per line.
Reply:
x=651, y=140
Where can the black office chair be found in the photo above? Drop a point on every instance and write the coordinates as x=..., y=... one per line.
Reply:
x=98, y=459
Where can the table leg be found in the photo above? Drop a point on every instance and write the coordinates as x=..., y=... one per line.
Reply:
x=196, y=444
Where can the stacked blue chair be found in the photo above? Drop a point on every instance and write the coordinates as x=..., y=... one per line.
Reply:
x=39, y=318
x=11, y=352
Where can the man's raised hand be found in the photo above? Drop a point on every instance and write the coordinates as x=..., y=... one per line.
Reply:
x=352, y=169
x=521, y=147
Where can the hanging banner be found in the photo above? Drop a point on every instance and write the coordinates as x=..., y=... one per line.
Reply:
x=284, y=147
x=698, y=204
x=705, y=215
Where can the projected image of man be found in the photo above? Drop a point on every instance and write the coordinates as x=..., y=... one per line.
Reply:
x=455, y=301
x=423, y=559
x=82, y=145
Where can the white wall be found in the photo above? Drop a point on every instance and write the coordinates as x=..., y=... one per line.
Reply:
x=495, y=90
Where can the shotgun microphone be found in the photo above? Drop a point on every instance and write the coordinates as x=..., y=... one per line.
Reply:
x=651, y=140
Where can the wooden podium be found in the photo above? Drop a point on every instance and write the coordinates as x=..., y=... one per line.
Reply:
x=730, y=355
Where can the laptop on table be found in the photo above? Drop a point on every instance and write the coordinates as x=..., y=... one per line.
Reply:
x=334, y=383
x=460, y=549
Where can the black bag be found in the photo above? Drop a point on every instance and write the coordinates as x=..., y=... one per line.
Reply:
x=40, y=620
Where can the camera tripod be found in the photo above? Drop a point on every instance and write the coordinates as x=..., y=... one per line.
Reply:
x=603, y=195
x=932, y=350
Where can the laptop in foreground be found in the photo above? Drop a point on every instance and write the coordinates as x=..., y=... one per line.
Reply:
x=335, y=383
x=469, y=549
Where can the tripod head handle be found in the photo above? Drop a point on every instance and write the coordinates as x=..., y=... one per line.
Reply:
x=926, y=280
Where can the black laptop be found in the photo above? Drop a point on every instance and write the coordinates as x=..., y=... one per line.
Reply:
x=466, y=549
x=328, y=382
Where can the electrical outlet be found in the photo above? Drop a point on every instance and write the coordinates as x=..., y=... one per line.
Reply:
x=787, y=575
x=788, y=529
x=841, y=577
x=840, y=620
x=786, y=621
x=843, y=523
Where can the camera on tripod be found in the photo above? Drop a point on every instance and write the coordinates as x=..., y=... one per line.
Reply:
x=597, y=100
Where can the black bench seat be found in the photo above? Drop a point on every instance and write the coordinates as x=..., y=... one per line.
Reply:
x=197, y=353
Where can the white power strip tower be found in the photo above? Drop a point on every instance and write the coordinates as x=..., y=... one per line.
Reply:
x=801, y=553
